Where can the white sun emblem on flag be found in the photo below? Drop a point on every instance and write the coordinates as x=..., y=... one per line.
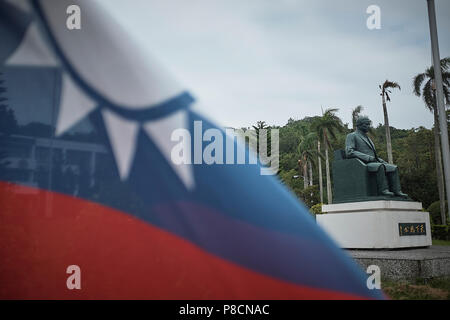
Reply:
x=75, y=105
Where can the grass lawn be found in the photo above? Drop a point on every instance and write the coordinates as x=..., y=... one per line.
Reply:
x=441, y=243
x=420, y=289
x=432, y=289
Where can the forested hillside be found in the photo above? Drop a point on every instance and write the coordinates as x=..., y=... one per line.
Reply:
x=412, y=152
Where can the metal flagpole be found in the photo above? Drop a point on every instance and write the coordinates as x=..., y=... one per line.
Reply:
x=440, y=97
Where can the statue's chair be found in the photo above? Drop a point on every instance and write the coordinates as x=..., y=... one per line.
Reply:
x=352, y=180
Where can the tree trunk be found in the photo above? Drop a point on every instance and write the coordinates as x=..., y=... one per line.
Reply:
x=305, y=173
x=319, y=161
x=310, y=173
x=438, y=157
x=388, y=132
x=327, y=168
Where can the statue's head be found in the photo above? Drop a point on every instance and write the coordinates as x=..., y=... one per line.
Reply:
x=363, y=123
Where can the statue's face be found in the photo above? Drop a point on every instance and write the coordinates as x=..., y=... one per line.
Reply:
x=364, y=126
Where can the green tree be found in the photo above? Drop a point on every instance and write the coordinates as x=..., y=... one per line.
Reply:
x=261, y=125
x=309, y=196
x=423, y=85
x=385, y=91
x=326, y=128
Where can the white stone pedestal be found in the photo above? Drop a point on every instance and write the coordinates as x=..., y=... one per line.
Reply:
x=377, y=224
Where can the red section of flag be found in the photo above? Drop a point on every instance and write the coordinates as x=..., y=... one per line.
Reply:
x=121, y=257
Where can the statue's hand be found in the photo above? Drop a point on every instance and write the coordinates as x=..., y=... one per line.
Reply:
x=372, y=159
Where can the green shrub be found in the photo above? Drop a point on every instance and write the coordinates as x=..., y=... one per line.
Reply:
x=435, y=212
x=440, y=232
x=309, y=196
x=316, y=209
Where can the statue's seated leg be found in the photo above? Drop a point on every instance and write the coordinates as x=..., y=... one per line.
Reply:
x=394, y=180
x=382, y=182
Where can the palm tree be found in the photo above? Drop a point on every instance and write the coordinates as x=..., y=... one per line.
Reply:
x=303, y=164
x=302, y=150
x=385, y=91
x=261, y=125
x=325, y=128
x=310, y=140
x=355, y=114
x=319, y=161
x=307, y=163
x=428, y=93
x=307, y=156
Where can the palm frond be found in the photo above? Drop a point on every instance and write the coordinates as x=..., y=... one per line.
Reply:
x=330, y=111
x=427, y=92
x=327, y=124
x=428, y=96
x=445, y=63
x=446, y=95
x=388, y=85
x=332, y=134
x=391, y=84
x=260, y=125
x=446, y=78
x=417, y=83
x=357, y=110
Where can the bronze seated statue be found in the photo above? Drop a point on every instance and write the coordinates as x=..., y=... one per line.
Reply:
x=359, y=174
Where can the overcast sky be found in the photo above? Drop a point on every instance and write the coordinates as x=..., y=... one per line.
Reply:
x=250, y=60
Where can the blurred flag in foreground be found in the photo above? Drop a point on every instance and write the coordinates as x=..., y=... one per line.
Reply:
x=88, y=185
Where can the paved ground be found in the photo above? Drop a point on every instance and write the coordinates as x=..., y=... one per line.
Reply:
x=428, y=262
x=433, y=252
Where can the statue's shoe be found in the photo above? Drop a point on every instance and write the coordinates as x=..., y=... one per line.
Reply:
x=401, y=194
x=387, y=193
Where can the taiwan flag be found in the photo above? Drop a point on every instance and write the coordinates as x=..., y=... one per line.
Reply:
x=93, y=204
